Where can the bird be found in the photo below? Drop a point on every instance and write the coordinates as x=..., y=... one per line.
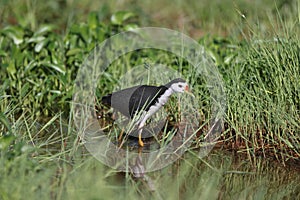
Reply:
x=143, y=101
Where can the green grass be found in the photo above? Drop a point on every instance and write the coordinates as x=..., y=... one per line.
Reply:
x=255, y=47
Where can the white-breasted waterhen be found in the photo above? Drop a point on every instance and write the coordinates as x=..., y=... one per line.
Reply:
x=143, y=100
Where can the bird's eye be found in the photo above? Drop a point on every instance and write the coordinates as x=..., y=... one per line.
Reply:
x=180, y=86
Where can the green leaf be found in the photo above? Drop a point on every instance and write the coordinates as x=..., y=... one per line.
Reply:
x=228, y=59
x=11, y=68
x=55, y=67
x=74, y=51
x=119, y=17
x=36, y=39
x=131, y=27
x=5, y=141
x=93, y=20
x=5, y=122
x=30, y=66
x=15, y=33
x=40, y=45
x=3, y=53
x=44, y=29
x=55, y=92
x=24, y=89
x=81, y=31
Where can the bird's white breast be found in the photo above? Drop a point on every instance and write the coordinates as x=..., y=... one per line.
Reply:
x=161, y=101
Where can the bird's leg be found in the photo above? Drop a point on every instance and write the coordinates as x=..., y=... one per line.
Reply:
x=141, y=143
x=140, y=128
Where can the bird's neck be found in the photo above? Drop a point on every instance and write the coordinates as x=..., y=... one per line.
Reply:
x=164, y=98
x=168, y=93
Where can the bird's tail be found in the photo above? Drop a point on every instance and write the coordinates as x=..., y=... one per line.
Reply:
x=106, y=100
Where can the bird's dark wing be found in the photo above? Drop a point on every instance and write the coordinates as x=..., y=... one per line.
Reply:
x=120, y=100
x=144, y=97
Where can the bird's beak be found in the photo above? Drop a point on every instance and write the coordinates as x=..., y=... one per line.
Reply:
x=188, y=91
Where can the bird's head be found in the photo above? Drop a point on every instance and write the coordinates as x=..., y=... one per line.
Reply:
x=178, y=85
